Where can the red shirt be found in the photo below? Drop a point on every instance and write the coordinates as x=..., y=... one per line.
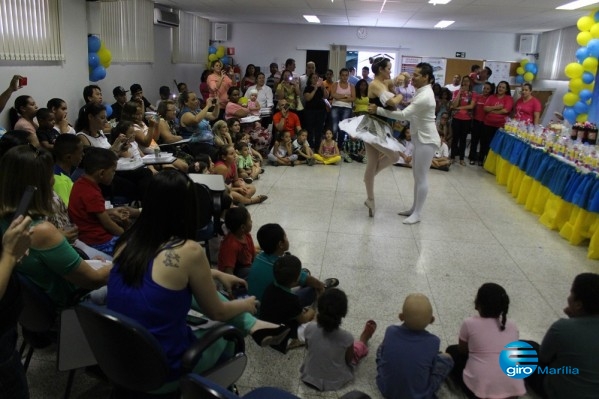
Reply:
x=479, y=110
x=498, y=120
x=292, y=122
x=236, y=254
x=85, y=202
x=465, y=99
x=525, y=110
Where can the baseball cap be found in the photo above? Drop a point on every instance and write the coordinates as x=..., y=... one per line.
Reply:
x=164, y=90
x=135, y=88
x=119, y=91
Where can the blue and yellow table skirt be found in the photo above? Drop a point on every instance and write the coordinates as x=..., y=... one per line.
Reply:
x=565, y=198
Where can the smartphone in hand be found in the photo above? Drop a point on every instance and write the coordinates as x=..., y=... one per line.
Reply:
x=25, y=201
x=22, y=81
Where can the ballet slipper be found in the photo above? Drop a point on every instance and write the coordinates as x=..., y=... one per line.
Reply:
x=413, y=219
x=370, y=205
x=405, y=213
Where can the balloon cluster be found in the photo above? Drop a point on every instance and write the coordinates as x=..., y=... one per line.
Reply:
x=527, y=71
x=98, y=58
x=583, y=73
x=217, y=53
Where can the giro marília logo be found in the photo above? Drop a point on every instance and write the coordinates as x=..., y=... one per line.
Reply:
x=518, y=360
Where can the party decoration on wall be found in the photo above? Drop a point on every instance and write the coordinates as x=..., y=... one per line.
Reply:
x=99, y=58
x=582, y=99
x=527, y=71
x=218, y=53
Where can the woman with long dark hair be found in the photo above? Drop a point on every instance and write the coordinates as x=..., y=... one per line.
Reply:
x=22, y=117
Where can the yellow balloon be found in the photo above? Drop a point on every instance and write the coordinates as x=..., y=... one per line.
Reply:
x=529, y=76
x=243, y=101
x=212, y=57
x=523, y=62
x=570, y=99
x=220, y=53
x=574, y=70
x=105, y=57
x=595, y=30
x=590, y=64
x=582, y=118
x=583, y=38
x=576, y=85
x=584, y=23
x=520, y=71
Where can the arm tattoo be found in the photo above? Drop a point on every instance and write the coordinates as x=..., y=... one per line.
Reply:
x=171, y=259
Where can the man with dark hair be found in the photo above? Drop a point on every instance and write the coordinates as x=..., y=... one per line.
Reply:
x=137, y=92
x=91, y=94
x=120, y=95
x=353, y=79
x=273, y=79
x=571, y=345
x=483, y=76
x=365, y=73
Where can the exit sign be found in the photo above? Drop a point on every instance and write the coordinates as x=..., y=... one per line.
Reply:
x=460, y=54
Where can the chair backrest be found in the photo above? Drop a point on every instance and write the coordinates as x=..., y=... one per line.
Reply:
x=39, y=313
x=130, y=356
x=205, y=205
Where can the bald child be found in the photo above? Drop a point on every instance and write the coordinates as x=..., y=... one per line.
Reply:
x=408, y=361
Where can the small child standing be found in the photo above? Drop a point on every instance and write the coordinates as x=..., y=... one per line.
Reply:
x=328, y=153
x=281, y=152
x=332, y=351
x=281, y=306
x=408, y=362
x=253, y=104
x=237, y=250
x=354, y=150
x=482, y=338
x=87, y=208
x=302, y=149
x=46, y=134
x=245, y=163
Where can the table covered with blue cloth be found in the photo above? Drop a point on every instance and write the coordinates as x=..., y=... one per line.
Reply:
x=565, y=197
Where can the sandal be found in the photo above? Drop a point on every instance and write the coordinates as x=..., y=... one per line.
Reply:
x=330, y=283
x=369, y=329
x=462, y=163
x=260, y=199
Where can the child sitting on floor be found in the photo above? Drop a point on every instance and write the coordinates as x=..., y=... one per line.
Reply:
x=354, y=150
x=245, y=163
x=281, y=306
x=405, y=157
x=328, y=152
x=282, y=151
x=332, y=351
x=237, y=250
x=408, y=362
x=302, y=149
x=441, y=158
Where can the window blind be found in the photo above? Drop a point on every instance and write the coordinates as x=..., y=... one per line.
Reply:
x=191, y=39
x=556, y=50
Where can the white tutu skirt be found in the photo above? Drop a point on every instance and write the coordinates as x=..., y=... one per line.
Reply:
x=371, y=130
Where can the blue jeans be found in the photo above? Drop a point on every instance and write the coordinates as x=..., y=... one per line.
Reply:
x=337, y=115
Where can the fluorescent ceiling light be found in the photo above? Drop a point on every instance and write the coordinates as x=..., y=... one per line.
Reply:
x=573, y=5
x=443, y=24
x=435, y=2
x=383, y=6
x=312, y=18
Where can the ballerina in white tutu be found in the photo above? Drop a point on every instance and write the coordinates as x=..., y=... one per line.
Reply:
x=421, y=114
x=382, y=149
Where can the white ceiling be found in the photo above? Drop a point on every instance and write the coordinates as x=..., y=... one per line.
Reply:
x=514, y=16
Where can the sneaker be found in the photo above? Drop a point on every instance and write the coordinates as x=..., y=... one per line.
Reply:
x=310, y=161
x=365, y=159
x=348, y=159
x=248, y=180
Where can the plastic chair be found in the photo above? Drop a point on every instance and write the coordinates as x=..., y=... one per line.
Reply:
x=197, y=387
x=134, y=362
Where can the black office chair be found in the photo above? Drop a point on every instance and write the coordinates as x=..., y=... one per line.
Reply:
x=134, y=362
x=197, y=387
x=207, y=216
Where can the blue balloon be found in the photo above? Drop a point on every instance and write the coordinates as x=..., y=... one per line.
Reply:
x=593, y=46
x=93, y=60
x=520, y=79
x=93, y=43
x=225, y=60
x=588, y=77
x=529, y=67
x=596, y=17
x=585, y=94
x=570, y=114
x=108, y=109
x=581, y=107
x=98, y=73
x=582, y=54
x=211, y=50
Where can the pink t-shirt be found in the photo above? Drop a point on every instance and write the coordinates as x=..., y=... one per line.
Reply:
x=482, y=374
x=525, y=110
x=498, y=120
x=479, y=109
x=465, y=99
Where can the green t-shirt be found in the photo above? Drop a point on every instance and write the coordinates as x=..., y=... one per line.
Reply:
x=62, y=186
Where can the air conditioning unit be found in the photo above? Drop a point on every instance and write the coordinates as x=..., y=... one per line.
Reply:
x=165, y=18
x=220, y=32
x=528, y=44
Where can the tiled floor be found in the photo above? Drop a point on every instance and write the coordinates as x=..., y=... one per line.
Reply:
x=472, y=232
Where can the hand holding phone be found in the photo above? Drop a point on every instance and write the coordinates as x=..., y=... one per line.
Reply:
x=25, y=201
x=22, y=81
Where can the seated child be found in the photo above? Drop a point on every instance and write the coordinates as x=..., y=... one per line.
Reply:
x=246, y=168
x=482, y=338
x=354, y=150
x=332, y=351
x=281, y=306
x=237, y=250
x=253, y=104
x=273, y=242
x=46, y=134
x=328, y=152
x=282, y=151
x=244, y=137
x=441, y=158
x=302, y=149
x=87, y=207
x=409, y=364
x=405, y=157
